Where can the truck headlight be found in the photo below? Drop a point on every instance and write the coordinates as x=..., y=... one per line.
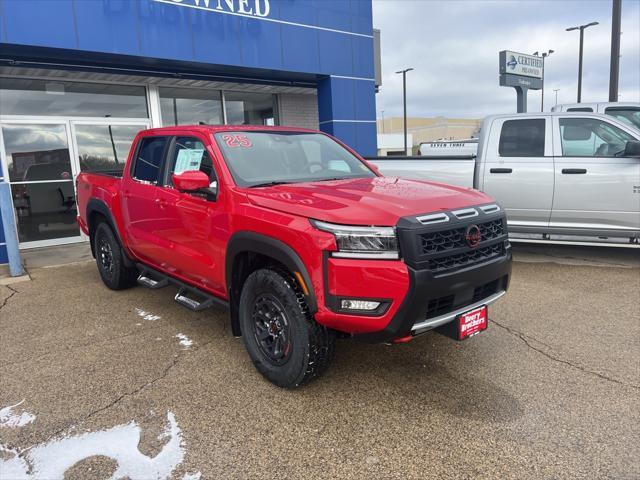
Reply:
x=362, y=242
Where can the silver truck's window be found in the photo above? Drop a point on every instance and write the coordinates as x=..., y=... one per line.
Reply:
x=522, y=138
x=630, y=115
x=591, y=137
x=256, y=158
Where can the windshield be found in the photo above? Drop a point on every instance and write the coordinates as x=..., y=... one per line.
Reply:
x=261, y=158
x=629, y=115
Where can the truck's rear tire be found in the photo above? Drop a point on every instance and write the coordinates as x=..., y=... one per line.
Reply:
x=286, y=344
x=110, y=259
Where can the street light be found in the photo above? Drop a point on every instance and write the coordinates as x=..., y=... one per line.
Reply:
x=404, y=103
x=581, y=28
x=544, y=55
x=556, y=90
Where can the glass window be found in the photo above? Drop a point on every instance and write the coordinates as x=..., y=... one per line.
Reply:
x=36, y=152
x=522, y=138
x=256, y=158
x=580, y=109
x=186, y=106
x=191, y=154
x=590, y=137
x=41, y=181
x=104, y=147
x=630, y=115
x=76, y=99
x=246, y=108
x=149, y=159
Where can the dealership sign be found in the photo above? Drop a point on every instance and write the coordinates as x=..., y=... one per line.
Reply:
x=514, y=63
x=249, y=8
x=523, y=73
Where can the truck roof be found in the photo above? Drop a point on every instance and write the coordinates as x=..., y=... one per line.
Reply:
x=226, y=128
x=546, y=114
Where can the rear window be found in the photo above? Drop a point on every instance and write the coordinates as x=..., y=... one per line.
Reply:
x=522, y=138
x=261, y=157
x=629, y=115
x=149, y=158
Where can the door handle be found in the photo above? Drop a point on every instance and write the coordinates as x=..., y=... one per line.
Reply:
x=161, y=203
x=126, y=194
x=501, y=170
x=574, y=171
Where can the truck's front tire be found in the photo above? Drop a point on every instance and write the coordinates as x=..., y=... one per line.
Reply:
x=110, y=259
x=286, y=344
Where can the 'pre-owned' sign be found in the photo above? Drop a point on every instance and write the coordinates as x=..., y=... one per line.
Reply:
x=514, y=63
x=257, y=8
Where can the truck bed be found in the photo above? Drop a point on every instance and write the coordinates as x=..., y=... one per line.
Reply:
x=454, y=170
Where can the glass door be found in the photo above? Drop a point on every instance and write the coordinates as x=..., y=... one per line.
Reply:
x=41, y=174
x=103, y=145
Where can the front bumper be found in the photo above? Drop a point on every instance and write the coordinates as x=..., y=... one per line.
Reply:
x=434, y=301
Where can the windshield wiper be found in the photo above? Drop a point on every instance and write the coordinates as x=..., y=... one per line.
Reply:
x=269, y=184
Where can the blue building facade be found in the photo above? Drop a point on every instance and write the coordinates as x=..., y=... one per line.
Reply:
x=297, y=62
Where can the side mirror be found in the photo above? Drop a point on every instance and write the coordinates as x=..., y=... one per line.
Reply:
x=632, y=149
x=190, y=181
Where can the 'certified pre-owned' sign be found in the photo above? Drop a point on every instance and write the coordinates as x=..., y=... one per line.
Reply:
x=521, y=64
x=250, y=8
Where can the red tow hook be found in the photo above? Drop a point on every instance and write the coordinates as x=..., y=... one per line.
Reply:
x=406, y=339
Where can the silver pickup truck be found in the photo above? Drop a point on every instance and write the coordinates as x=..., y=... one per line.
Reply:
x=557, y=173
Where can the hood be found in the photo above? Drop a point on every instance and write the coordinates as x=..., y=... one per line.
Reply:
x=380, y=201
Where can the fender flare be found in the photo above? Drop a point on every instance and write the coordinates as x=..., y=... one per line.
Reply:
x=98, y=206
x=247, y=241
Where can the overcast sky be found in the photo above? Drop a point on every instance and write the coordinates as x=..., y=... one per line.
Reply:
x=453, y=46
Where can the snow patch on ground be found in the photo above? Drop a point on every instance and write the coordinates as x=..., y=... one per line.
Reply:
x=147, y=315
x=10, y=419
x=52, y=459
x=185, y=341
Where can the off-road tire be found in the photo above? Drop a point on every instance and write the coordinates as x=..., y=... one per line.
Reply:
x=114, y=273
x=311, y=346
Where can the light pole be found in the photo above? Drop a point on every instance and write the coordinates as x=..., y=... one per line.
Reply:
x=382, y=112
x=556, y=90
x=581, y=28
x=404, y=103
x=544, y=55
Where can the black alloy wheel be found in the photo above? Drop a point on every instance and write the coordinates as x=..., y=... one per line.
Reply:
x=271, y=328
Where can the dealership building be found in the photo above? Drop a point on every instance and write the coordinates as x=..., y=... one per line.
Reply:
x=78, y=79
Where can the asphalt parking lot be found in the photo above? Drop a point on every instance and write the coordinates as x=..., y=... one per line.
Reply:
x=130, y=382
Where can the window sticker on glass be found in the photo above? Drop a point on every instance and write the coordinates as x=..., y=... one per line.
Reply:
x=188, y=160
x=237, y=140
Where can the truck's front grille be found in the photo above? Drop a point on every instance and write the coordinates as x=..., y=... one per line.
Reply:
x=453, y=241
x=442, y=241
x=451, y=262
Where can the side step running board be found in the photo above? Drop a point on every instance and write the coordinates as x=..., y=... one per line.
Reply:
x=146, y=280
x=188, y=296
x=191, y=303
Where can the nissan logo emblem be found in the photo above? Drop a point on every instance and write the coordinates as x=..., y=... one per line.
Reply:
x=473, y=236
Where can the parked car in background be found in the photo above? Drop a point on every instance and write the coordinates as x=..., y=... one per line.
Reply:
x=301, y=239
x=628, y=112
x=555, y=173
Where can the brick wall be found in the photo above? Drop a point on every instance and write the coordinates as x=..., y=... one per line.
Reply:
x=299, y=110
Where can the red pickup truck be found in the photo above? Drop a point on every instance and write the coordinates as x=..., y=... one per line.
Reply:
x=301, y=238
